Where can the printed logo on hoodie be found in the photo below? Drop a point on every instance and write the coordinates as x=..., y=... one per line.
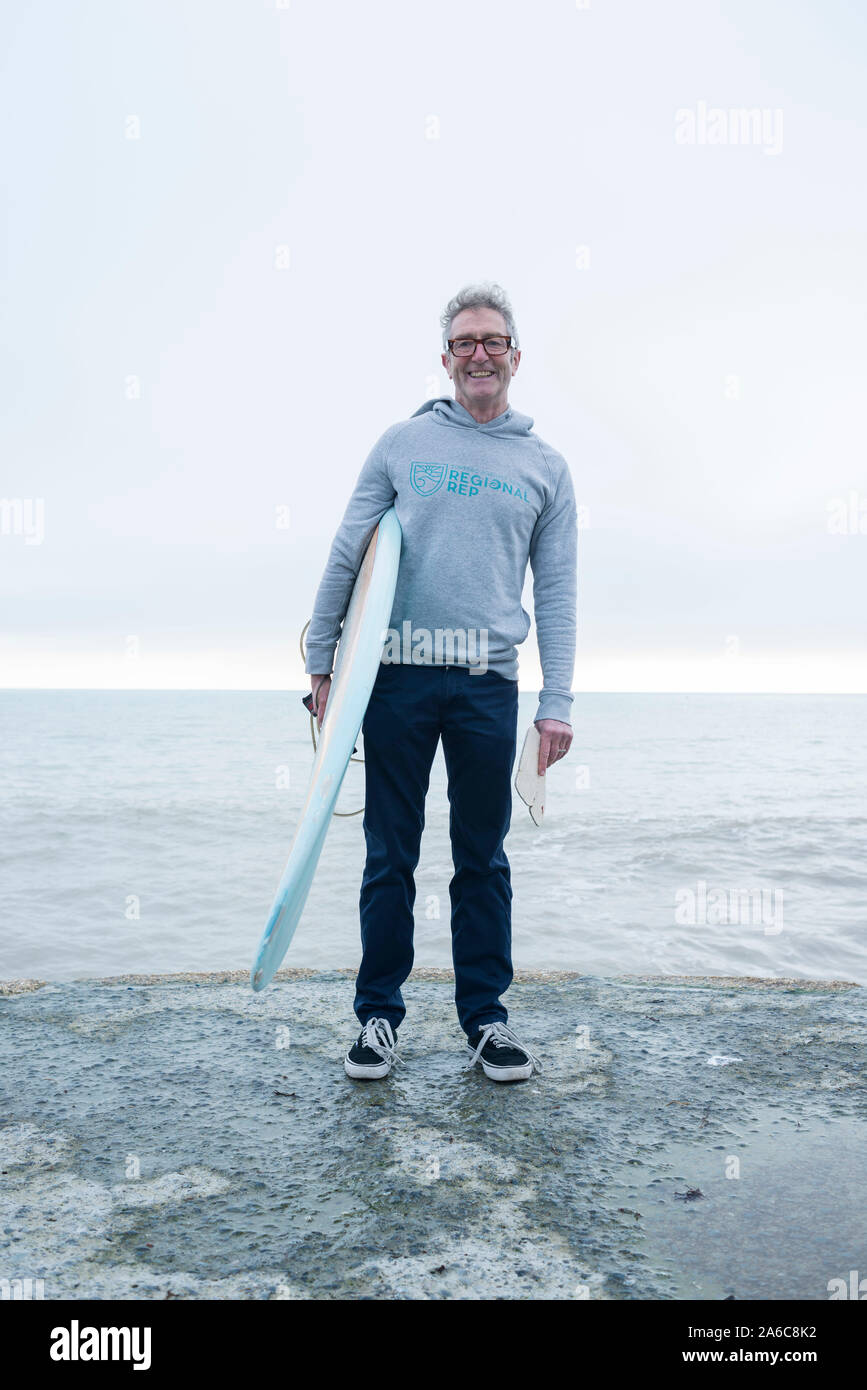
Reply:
x=428, y=478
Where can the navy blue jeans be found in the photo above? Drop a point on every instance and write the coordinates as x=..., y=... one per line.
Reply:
x=477, y=717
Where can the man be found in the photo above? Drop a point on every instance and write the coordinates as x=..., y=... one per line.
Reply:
x=478, y=495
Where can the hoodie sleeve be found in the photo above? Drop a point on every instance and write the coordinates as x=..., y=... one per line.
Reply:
x=372, y=496
x=554, y=561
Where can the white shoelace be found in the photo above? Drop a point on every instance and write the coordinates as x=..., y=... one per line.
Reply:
x=377, y=1035
x=501, y=1035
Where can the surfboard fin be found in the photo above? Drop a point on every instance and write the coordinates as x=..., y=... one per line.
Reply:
x=528, y=784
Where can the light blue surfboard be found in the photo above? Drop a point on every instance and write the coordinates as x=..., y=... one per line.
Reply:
x=358, y=659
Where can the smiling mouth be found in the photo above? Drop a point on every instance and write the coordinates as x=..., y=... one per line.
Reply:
x=480, y=376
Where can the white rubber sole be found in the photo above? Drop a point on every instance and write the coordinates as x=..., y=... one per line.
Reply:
x=362, y=1073
x=522, y=1073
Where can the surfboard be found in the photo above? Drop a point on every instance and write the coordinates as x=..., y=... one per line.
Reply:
x=359, y=652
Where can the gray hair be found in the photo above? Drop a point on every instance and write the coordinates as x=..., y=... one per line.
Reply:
x=487, y=295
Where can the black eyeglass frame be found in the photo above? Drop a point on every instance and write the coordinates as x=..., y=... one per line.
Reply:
x=487, y=338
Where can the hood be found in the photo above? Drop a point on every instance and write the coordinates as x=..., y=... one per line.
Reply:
x=447, y=411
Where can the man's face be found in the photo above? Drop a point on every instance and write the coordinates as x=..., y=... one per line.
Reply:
x=481, y=381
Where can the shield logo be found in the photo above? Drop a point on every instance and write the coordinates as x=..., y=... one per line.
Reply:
x=427, y=478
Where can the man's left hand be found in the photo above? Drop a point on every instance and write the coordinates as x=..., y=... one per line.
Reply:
x=555, y=740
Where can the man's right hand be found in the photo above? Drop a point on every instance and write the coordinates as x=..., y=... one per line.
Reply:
x=320, y=687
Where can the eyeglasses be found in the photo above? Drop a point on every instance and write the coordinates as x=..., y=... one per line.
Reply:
x=465, y=347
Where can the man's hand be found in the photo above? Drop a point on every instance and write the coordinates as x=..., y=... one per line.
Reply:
x=320, y=687
x=555, y=740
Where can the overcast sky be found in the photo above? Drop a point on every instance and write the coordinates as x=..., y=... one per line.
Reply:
x=230, y=229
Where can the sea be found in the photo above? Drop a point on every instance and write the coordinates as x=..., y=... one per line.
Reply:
x=146, y=832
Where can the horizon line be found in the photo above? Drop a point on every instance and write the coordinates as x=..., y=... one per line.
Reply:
x=294, y=690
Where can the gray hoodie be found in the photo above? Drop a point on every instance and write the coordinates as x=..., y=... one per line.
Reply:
x=475, y=503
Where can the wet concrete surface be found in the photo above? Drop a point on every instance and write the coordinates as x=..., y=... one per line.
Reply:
x=187, y=1138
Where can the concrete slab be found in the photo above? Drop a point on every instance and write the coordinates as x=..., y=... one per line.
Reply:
x=182, y=1137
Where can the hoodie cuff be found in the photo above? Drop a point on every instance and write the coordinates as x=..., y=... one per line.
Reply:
x=320, y=660
x=554, y=707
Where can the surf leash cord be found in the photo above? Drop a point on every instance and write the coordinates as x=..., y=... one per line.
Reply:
x=342, y=814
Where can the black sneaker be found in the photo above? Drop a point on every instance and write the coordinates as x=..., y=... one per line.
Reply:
x=374, y=1053
x=502, y=1056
